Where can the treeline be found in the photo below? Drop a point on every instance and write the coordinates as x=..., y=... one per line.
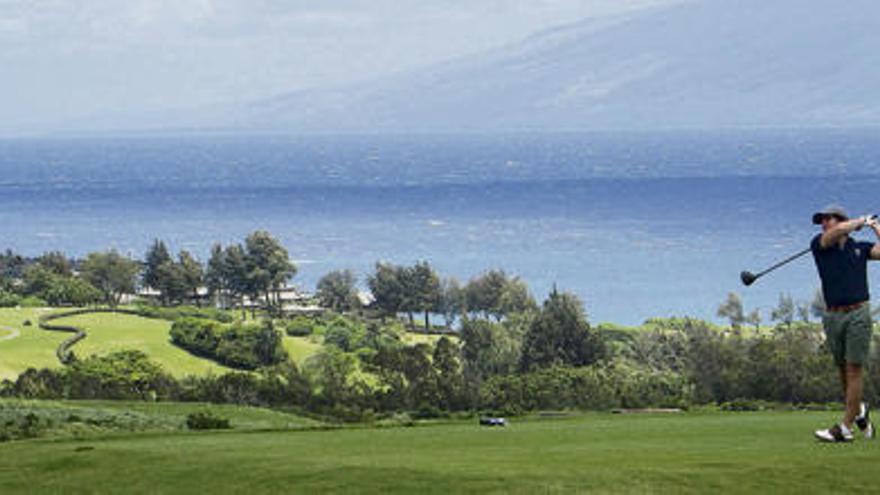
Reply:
x=55, y=280
x=251, y=274
x=548, y=357
x=256, y=268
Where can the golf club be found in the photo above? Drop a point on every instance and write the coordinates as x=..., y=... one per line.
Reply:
x=748, y=278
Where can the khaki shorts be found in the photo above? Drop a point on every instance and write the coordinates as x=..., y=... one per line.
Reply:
x=849, y=335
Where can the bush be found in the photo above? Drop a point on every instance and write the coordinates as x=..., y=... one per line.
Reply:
x=9, y=299
x=299, y=327
x=743, y=405
x=179, y=312
x=206, y=421
x=238, y=346
x=32, y=302
x=589, y=388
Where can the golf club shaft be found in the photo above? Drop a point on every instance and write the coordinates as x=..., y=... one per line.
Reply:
x=783, y=262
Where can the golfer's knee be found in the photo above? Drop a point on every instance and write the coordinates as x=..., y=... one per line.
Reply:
x=854, y=369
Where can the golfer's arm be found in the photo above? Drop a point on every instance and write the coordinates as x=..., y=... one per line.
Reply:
x=875, y=250
x=839, y=231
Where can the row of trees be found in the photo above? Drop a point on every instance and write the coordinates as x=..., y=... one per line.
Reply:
x=786, y=312
x=400, y=289
x=255, y=269
x=55, y=280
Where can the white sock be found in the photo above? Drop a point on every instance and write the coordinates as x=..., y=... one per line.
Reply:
x=846, y=431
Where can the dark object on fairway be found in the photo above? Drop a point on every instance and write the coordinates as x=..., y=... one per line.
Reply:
x=493, y=422
x=27, y=323
x=84, y=448
x=748, y=278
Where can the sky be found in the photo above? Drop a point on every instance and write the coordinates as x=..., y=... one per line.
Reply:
x=64, y=60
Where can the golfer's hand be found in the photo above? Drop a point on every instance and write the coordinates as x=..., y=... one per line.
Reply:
x=872, y=221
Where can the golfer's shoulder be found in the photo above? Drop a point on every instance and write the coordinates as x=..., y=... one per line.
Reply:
x=816, y=243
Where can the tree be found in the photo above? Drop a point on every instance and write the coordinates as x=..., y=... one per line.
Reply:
x=268, y=267
x=452, y=300
x=56, y=289
x=515, y=298
x=191, y=274
x=754, y=319
x=330, y=370
x=423, y=287
x=387, y=288
x=803, y=311
x=156, y=258
x=784, y=311
x=71, y=291
x=487, y=349
x=11, y=267
x=170, y=283
x=817, y=305
x=447, y=361
x=235, y=271
x=560, y=335
x=56, y=262
x=337, y=290
x=484, y=293
x=732, y=309
x=112, y=274
x=215, y=275
x=36, y=280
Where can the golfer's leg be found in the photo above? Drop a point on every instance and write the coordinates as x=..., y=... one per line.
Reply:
x=853, y=393
x=858, y=342
x=842, y=369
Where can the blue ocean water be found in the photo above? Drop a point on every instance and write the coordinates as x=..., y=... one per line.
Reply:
x=637, y=225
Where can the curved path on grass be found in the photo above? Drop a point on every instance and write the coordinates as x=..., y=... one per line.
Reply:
x=13, y=333
x=64, y=352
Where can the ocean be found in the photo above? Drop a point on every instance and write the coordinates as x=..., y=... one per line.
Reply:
x=636, y=224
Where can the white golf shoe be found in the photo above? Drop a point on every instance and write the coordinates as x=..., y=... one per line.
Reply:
x=863, y=421
x=835, y=434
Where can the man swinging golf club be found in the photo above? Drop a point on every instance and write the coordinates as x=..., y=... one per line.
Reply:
x=842, y=265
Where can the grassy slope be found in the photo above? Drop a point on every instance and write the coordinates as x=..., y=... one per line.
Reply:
x=694, y=453
x=163, y=415
x=301, y=348
x=33, y=348
x=108, y=332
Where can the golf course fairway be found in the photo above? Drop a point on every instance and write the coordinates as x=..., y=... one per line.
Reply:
x=604, y=453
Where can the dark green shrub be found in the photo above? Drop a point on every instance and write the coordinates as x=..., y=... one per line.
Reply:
x=239, y=346
x=206, y=421
x=299, y=327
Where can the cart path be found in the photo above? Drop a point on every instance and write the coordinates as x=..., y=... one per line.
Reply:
x=15, y=333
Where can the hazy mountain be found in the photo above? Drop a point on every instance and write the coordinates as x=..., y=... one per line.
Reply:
x=695, y=64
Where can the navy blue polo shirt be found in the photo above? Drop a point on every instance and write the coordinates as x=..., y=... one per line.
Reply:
x=844, y=271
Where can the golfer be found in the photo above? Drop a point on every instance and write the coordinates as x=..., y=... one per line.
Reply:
x=842, y=265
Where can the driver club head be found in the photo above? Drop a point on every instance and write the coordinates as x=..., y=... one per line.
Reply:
x=748, y=278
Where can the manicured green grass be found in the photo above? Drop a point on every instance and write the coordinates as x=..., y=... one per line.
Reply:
x=769, y=452
x=32, y=348
x=301, y=348
x=109, y=332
